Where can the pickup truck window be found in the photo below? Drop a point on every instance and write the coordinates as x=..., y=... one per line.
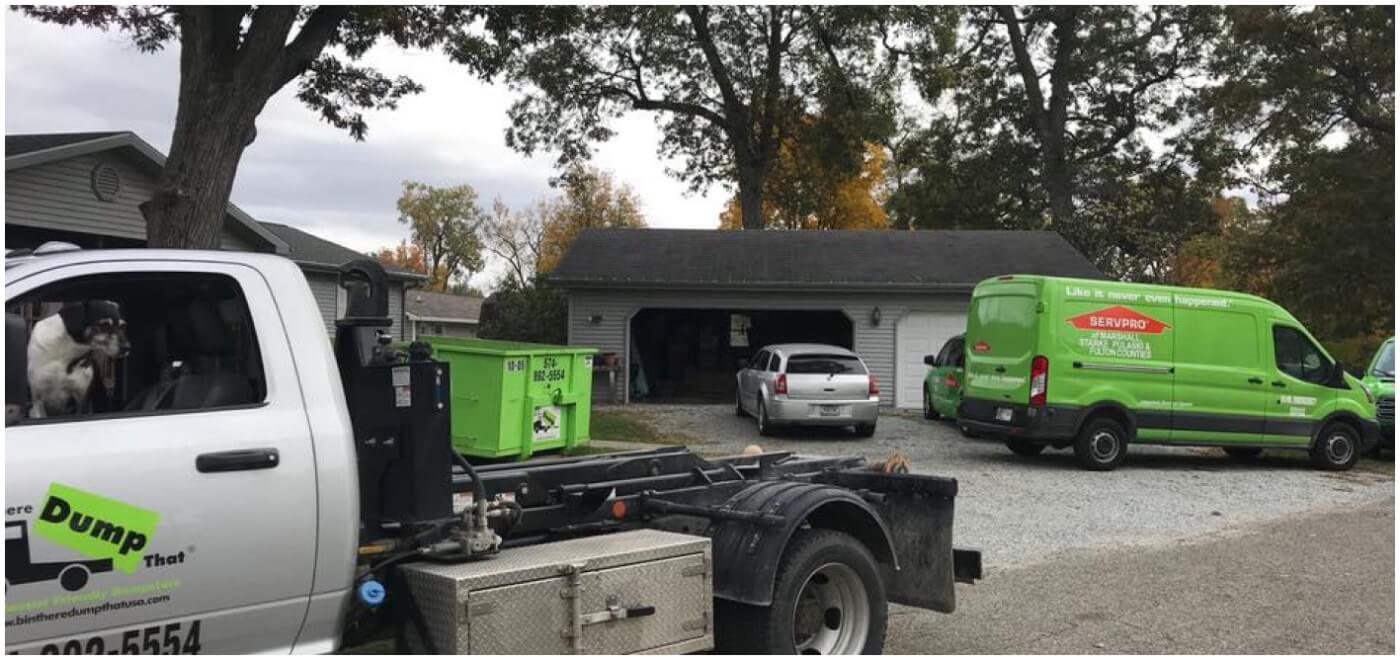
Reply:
x=133, y=343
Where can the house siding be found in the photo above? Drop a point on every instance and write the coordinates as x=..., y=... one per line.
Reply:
x=58, y=196
x=875, y=344
x=325, y=288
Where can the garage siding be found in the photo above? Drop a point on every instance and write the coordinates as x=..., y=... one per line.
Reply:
x=875, y=344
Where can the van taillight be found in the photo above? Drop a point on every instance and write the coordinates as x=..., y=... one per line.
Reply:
x=874, y=386
x=1040, y=380
x=780, y=387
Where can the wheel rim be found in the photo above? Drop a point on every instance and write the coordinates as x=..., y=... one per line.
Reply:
x=1339, y=448
x=832, y=616
x=1104, y=446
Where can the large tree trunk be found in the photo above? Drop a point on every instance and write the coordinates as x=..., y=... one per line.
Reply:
x=223, y=87
x=191, y=196
x=751, y=197
x=1058, y=180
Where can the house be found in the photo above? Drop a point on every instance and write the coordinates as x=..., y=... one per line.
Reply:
x=441, y=314
x=87, y=188
x=684, y=308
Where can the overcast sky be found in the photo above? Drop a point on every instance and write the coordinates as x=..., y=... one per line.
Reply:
x=303, y=172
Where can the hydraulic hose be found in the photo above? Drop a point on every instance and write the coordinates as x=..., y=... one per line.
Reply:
x=478, y=489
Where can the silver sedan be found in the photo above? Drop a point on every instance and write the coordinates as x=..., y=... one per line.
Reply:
x=808, y=385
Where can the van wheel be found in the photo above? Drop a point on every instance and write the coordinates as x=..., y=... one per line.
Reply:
x=929, y=412
x=1243, y=453
x=1335, y=448
x=1024, y=447
x=765, y=427
x=1102, y=445
x=827, y=600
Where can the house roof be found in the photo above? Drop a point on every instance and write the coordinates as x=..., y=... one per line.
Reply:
x=431, y=306
x=917, y=260
x=310, y=250
x=28, y=150
x=18, y=145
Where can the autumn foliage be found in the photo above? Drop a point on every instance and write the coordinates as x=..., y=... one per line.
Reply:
x=806, y=192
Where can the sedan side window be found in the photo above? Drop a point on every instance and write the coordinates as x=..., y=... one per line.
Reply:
x=774, y=362
x=1296, y=356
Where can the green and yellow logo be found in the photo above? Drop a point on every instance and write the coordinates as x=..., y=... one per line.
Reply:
x=95, y=526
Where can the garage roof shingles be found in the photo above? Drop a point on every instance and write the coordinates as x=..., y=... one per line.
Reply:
x=953, y=259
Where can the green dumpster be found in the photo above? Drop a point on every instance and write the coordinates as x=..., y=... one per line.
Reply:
x=512, y=399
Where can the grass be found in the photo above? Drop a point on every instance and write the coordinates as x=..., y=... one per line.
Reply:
x=622, y=425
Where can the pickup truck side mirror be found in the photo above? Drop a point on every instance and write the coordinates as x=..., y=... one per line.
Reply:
x=931, y=360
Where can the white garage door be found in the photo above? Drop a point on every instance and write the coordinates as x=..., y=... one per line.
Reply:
x=919, y=334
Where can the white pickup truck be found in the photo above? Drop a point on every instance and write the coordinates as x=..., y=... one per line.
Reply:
x=217, y=494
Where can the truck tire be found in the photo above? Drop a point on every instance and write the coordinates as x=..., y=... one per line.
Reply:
x=765, y=427
x=929, y=412
x=1024, y=447
x=1102, y=444
x=1336, y=448
x=1243, y=453
x=827, y=600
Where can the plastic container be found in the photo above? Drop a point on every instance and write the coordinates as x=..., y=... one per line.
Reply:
x=512, y=399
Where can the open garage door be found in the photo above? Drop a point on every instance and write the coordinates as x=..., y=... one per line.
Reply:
x=691, y=355
x=916, y=335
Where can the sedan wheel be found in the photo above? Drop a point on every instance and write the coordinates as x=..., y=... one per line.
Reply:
x=929, y=411
x=764, y=426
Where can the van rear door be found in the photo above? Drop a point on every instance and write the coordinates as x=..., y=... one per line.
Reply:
x=1001, y=337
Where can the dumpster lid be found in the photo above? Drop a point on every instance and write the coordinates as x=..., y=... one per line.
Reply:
x=501, y=347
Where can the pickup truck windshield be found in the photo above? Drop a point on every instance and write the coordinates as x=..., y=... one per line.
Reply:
x=825, y=364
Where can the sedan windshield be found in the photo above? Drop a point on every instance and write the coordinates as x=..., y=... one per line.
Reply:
x=1385, y=363
x=825, y=364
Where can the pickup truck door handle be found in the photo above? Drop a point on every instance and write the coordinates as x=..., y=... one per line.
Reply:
x=1257, y=381
x=237, y=460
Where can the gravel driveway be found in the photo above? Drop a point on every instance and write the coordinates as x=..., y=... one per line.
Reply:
x=1021, y=510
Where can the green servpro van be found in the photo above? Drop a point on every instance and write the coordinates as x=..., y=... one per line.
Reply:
x=1094, y=365
x=1380, y=380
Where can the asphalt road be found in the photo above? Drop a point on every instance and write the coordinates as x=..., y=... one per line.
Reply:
x=1321, y=582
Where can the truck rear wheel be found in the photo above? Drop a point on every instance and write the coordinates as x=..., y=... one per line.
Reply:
x=1102, y=444
x=1336, y=448
x=827, y=600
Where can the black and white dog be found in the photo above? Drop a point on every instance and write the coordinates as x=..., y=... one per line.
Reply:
x=61, y=351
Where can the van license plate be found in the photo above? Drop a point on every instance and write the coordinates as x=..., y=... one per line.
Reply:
x=830, y=411
x=1003, y=414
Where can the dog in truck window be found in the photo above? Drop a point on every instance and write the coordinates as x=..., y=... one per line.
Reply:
x=61, y=351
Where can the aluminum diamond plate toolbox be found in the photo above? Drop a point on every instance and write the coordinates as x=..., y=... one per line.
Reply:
x=643, y=591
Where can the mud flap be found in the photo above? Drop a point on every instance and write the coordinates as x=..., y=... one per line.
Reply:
x=918, y=512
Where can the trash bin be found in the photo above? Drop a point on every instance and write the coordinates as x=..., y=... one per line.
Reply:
x=512, y=399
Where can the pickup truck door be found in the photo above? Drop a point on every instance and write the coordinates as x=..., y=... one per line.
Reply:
x=164, y=530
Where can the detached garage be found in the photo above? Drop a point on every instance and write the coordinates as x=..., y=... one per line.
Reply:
x=683, y=309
